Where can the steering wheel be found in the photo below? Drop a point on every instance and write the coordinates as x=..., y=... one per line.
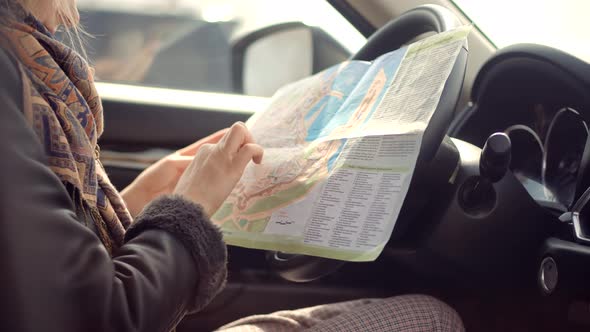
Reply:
x=392, y=36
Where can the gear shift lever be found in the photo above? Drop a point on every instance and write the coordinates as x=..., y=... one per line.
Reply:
x=493, y=165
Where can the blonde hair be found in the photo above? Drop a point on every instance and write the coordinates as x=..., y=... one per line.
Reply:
x=69, y=25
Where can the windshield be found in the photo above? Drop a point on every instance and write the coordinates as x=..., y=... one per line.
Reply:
x=562, y=24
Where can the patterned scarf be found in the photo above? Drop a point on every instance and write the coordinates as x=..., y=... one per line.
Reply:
x=62, y=106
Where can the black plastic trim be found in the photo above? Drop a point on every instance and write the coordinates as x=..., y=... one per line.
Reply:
x=406, y=27
x=354, y=17
x=573, y=264
x=560, y=60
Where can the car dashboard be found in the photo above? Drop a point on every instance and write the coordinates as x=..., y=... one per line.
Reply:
x=547, y=154
x=540, y=98
x=548, y=142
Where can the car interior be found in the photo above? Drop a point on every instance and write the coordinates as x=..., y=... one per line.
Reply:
x=497, y=219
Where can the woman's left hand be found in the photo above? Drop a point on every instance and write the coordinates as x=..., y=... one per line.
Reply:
x=161, y=178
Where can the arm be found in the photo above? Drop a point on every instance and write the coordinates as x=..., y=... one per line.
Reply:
x=57, y=276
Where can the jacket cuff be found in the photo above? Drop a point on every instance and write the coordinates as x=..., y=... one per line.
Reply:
x=189, y=224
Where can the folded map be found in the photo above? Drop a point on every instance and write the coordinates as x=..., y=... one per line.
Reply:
x=340, y=151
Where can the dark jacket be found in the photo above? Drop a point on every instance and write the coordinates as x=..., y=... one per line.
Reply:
x=55, y=275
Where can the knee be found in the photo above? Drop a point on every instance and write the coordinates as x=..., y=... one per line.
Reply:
x=427, y=311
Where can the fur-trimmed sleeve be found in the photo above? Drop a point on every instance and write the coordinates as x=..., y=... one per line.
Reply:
x=189, y=224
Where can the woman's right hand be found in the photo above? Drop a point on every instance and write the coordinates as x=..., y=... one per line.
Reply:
x=216, y=168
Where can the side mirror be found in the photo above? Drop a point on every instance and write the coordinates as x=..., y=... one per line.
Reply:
x=266, y=59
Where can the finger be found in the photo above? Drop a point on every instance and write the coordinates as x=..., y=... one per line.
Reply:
x=192, y=149
x=248, y=152
x=236, y=138
x=180, y=162
x=257, y=159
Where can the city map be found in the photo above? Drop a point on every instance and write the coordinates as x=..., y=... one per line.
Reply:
x=339, y=151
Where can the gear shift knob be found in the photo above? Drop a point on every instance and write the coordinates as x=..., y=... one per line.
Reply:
x=495, y=157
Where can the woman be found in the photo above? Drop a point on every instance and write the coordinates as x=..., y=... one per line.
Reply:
x=78, y=256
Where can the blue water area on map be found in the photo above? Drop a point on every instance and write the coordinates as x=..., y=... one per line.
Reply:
x=354, y=84
x=335, y=156
x=328, y=106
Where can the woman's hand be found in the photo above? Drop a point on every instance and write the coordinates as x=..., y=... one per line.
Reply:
x=162, y=177
x=216, y=168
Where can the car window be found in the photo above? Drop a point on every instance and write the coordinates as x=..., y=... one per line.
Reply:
x=560, y=24
x=187, y=44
